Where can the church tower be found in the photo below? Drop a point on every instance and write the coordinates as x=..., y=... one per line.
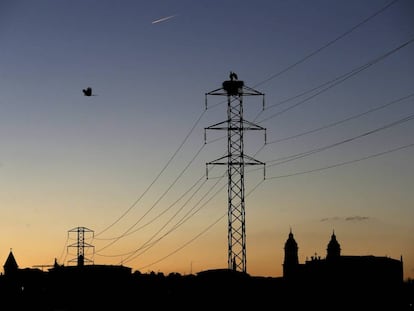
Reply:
x=334, y=249
x=291, y=261
x=10, y=266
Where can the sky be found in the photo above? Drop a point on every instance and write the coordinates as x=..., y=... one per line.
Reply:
x=128, y=165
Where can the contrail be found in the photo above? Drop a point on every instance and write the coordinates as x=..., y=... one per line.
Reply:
x=163, y=19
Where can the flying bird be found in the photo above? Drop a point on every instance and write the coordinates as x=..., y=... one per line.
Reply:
x=88, y=92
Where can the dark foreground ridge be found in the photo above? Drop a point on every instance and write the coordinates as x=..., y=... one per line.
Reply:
x=334, y=283
x=95, y=287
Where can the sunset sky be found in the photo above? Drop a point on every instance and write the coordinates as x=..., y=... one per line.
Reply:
x=129, y=164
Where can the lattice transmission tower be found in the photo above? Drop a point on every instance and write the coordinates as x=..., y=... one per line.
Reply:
x=235, y=125
x=80, y=245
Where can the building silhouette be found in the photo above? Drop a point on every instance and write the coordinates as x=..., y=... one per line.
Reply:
x=10, y=266
x=335, y=266
x=370, y=280
x=336, y=282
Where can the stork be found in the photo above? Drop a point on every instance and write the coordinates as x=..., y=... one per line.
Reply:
x=233, y=76
x=87, y=91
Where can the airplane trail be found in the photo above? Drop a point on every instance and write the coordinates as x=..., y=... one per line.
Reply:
x=163, y=19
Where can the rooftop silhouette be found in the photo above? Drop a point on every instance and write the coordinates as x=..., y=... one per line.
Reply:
x=336, y=282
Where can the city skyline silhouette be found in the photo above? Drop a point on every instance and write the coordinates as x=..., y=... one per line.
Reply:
x=336, y=281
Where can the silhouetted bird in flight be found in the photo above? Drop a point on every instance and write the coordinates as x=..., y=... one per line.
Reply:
x=233, y=76
x=88, y=92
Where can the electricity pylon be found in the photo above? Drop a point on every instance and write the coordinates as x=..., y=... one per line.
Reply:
x=235, y=125
x=80, y=245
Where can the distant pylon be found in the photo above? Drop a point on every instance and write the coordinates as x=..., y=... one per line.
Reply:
x=235, y=125
x=80, y=245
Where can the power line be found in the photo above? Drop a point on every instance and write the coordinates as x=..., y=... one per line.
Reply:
x=343, y=163
x=337, y=122
x=328, y=44
x=187, y=243
x=183, y=219
x=189, y=214
x=307, y=153
x=163, y=212
x=186, y=217
x=342, y=79
x=157, y=177
x=157, y=201
x=338, y=78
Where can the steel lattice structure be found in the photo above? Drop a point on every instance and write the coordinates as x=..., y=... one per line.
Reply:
x=80, y=245
x=235, y=125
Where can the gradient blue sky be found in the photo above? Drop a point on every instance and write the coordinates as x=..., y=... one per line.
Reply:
x=129, y=163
